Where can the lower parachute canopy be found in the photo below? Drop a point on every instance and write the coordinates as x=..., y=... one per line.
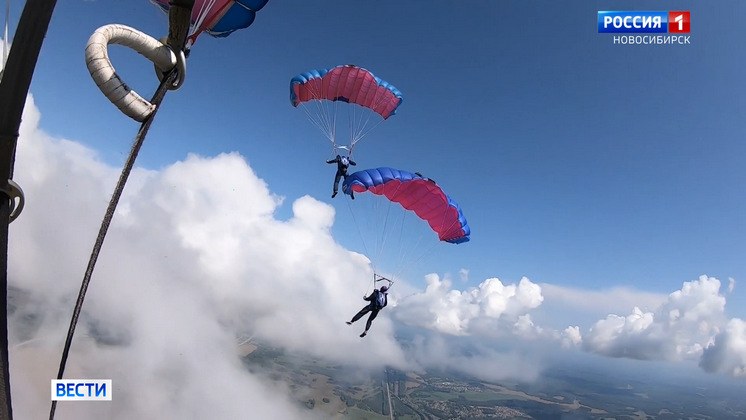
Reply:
x=414, y=193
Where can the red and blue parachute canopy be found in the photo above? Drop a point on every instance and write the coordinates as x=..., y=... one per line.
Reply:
x=414, y=193
x=349, y=84
x=219, y=18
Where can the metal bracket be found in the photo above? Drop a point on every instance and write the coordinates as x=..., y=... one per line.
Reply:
x=378, y=277
x=12, y=190
x=180, y=67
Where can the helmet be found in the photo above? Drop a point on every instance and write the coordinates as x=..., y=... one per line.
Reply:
x=384, y=288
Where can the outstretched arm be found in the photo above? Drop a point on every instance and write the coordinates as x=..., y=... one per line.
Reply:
x=370, y=297
x=330, y=161
x=352, y=162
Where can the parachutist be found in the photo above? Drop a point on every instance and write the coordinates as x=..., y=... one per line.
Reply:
x=378, y=300
x=342, y=164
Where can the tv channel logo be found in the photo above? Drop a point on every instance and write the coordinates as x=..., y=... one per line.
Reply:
x=644, y=22
x=81, y=389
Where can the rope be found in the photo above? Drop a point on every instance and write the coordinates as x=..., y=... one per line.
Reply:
x=160, y=93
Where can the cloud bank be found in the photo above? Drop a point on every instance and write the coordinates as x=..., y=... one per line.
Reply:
x=690, y=324
x=195, y=255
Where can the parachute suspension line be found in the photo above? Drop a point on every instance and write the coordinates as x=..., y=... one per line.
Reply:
x=360, y=137
x=330, y=112
x=318, y=123
x=361, y=236
x=201, y=16
x=395, y=263
x=421, y=257
x=196, y=29
x=335, y=104
x=324, y=122
x=376, y=213
x=386, y=220
x=371, y=285
x=404, y=267
x=321, y=123
x=356, y=224
x=408, y=251
x=426, y=253
x=375, y=205
x=360, y=130
x=351, y=111
x=383, y=232
x=399, y=258
x=356, y=125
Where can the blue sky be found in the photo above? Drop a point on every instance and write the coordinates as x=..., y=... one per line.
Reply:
x=576, y=161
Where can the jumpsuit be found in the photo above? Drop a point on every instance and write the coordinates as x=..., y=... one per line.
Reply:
x=373, y=308
x=342, y=164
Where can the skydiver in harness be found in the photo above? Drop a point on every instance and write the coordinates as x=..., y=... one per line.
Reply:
x=378, y=300
x=342, y=164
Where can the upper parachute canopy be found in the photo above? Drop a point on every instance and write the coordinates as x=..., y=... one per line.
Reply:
x=219, y=18
x=349, y=84
x=415, y=193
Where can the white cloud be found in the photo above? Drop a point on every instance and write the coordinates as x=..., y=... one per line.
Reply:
x=609, y=301
x=193, y=255
x=727, y=353
x=479, y=361
x=571, y=337
x=731, y=284
x=679, y=329
x=455, y=312
x=464, y=275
